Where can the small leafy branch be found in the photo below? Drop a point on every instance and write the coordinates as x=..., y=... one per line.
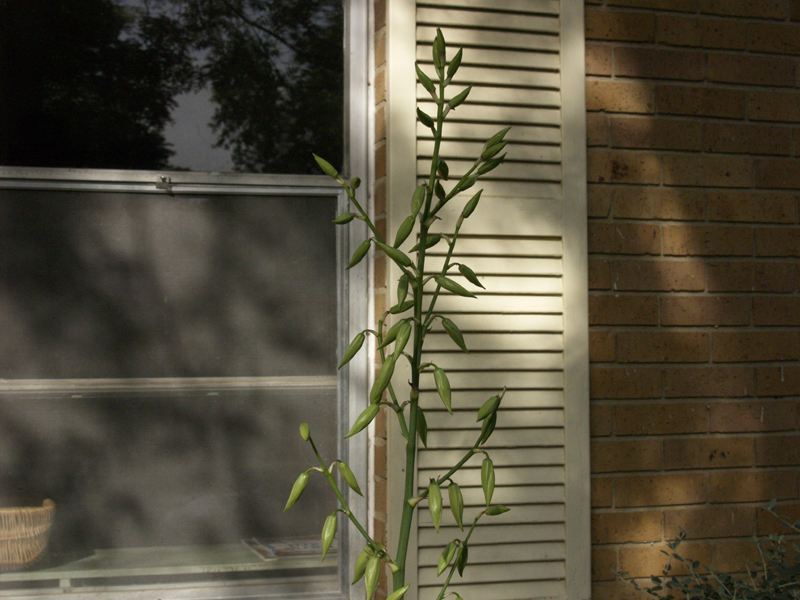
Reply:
x=776, y=576
x=404, y=340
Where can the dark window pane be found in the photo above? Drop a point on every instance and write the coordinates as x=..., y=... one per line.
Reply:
x=123, y=285
x=203, y=85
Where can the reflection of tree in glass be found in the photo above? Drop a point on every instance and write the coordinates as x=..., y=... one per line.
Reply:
x=92, y=83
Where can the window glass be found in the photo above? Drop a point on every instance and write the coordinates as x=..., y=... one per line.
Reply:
x=202, y=85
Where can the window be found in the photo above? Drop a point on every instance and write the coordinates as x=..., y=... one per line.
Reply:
x=172, y=294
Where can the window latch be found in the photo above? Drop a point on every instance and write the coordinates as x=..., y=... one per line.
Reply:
x=164, y=183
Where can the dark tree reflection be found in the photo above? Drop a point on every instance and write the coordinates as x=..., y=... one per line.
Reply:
x=94, y=83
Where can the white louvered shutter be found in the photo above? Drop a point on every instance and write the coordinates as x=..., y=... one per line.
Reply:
x=528, y=330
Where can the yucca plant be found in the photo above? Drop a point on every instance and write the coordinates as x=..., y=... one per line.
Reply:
x=414, y=317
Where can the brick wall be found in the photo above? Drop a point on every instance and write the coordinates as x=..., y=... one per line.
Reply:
x=694, y=180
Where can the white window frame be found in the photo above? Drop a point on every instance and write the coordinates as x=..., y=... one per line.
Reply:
x=355, y=303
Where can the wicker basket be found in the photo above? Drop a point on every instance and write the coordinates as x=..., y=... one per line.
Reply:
x=23, y=535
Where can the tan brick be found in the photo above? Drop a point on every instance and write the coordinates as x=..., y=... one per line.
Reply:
x=379, y=14
x=752, y=486
x=666, y=134
x=750, y=70
x=755, y=346
x=708, y=453
x=622, y=310
x=619, y=96
x=649, y=202
x=659, y=490
x=699, y=101
x=620, y=383
x=380, y=123
x=380, y=86
x=659, y=275
x=598, y=59
x=761, y=9
x=752, y=207
x=660, y=419
x=773, y=105
x=599, y=274
x=707, y=170
x=779, y=38
x=611, y=456
x=599, y=200
x=380, y=49
x=663, y=346
x=602, y=491
x=670, y=5
x=651, y=63
x=645, y=560
x=604, y=564
x=776, y=173
x=746, y=138
x=601, y=419
x=732, y=556
x=624, y=238
x=616, y=590
x=777, y=241
x=596, y=129
x=795, y=14
x=707, y=240
x=697, y=311
x=740, y=417
x=380, y=161
x=683, y=30
x=601, y=346
x=778, y=450
x=709, y=382
x=619, y=25
x=766, y=522
x=626, y=527
x=613, y=166
x=734, y=276
x=778, y=381
x=712, y=522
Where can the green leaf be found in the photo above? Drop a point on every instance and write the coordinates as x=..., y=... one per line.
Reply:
x=452, y=286
x=425, y=81
x=442, y=169
x=493, y=511
x=487, y=479
x=328, y=533
x=360, y=566
x=430, y=241
x=456, y=504
x=402, y=288
x=489, y=407
x=461, y=560
x=304, y=431
x=422, y=427
x=497, y=137
x=327, y=167
x=355, y=183
x=417, y=199
x=391, y=335
x=344, y=218
x=490, y=165
x=349, y=478
x=454, y=64
x=435, y=503
x=459, y=99
x=439, y=51
x=402, y=307
x=443, y=387
x=438, y=189
x=297, y=489
x=352, y=349
x=396, y=595
x=404, y=231
x=371, y=574
x=471, y=205
x=487, y=428
x=455, y=333
x=364, y=419
x=446, y=557
x=469, y=275
x=425, y=119
x=402, y=338
x=493, y=150
x=382, y=380
x=395, y=254
x=360, y=253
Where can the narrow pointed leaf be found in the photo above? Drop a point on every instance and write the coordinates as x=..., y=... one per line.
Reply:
x=395, y=254
x=435, y=503
x=402, y=288
x=343, y=218
x=422, y=427
x=364, y=419
x=493, y=150
x=360, y=253
x=487, y=428
x=442, y=169
x=461, y=560
x=297, y=489
x=328, y=533
x=430, y=241
x=349, y=477
x=471, y=205
x=425, y=119
x=493, y=511
x=304, y=431
x=497, y=137
x=360, y=566
x=454, y=64
x=391, y=335
x=439, y=191
x=402, y=338
x=456, y=504
x=396, y=595
x=489, y=408
x=453, y=286
x=371, y=574
x=425, y=81
x=326, y=167
x=403, y=231
x=490, y=165
x=455, y=333
x=458, y=100
x=382, y=380
x=487, y=479
x=401, y=308
x=470, y=276
x=446, y=557
x=417, y=199
x=443, y=387
x=352, y=349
